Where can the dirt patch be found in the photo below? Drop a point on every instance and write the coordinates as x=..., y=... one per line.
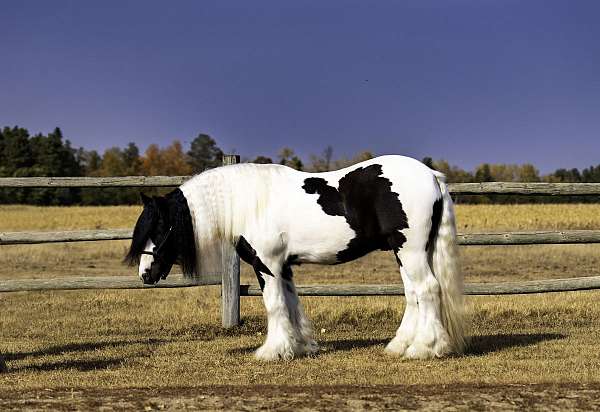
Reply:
x=297, y=398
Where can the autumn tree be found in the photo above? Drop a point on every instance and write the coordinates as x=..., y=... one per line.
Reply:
x=151, y=161
x=528, y=173
x=170, y=161
x=174, y=161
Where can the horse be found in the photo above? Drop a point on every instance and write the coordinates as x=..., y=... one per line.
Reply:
x=275, y=217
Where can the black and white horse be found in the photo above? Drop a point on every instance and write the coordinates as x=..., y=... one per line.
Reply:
x=275, y=217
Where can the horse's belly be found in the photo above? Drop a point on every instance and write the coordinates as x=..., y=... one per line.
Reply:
x=320, y=240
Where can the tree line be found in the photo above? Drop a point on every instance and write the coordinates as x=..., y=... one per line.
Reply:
x=23, y=155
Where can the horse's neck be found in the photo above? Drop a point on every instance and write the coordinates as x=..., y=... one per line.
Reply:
x=229, y=201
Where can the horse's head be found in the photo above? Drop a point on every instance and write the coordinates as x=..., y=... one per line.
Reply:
x=163, y=236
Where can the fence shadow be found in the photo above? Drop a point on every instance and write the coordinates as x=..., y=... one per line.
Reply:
x=485, y=344
x=78, y=347
x=79, y=365
x=69, y=348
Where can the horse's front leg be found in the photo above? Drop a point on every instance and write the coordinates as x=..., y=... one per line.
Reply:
x=288, y=330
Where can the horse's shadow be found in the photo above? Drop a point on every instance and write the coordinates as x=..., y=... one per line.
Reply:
x=80, y=365
x=341, y=345
x=486, y=344
x=478, y=345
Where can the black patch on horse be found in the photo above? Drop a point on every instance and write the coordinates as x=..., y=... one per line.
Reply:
x=329, y=198
x=372, y=210
x=436, y=218
x=247, y=253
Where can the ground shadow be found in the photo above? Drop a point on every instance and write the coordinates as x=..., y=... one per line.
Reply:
x=79, y=347
x=343, y=345
x=479, y=345
x=485, y=344
x=249, y=325
x=324, y=346
x=246, y=350
x=80, y=365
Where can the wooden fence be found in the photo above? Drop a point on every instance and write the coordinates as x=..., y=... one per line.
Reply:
x=230, y=283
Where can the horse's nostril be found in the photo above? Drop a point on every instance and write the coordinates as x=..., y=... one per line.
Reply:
x=146, y=277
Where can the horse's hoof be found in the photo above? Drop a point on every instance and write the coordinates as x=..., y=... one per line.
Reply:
x=418, y=351
x=271, y=353
x=396, y=347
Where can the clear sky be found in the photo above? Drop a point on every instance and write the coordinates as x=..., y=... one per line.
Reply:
x=469, y=81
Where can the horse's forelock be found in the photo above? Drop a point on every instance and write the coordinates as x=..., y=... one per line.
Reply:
x=141, y=233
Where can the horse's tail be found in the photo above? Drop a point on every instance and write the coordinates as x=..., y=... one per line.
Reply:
x=446, y=267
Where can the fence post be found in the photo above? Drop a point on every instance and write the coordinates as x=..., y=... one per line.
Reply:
x=230, y=286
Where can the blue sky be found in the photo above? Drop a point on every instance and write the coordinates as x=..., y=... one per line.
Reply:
x=469, y=81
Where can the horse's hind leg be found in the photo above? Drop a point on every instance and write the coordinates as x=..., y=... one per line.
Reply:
x=429, y=338
x=408, y=327
x=288, y=330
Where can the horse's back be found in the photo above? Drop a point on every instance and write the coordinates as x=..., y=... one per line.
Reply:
x=382, y=203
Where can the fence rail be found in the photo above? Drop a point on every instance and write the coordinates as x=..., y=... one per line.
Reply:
x=96, y=282
x=232, y=290
x=466, y=239
x=503, y=288
x=498, y=188
x=178, y=281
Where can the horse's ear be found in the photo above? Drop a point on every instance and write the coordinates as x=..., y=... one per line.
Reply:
x=145, y=199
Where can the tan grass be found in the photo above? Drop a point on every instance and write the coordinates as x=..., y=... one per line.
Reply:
x=19, y=217
x=472, y=218
x=172, y=338
x=162, y=338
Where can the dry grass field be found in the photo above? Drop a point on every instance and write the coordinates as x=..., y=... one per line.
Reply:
x=78, y=348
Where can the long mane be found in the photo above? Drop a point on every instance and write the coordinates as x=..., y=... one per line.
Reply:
x=222, y=202
x=183, y=231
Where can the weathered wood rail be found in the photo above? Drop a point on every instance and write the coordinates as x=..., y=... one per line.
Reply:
x=503, y=288
x=466, y=239
x=178, y=281
x=487, y=188
x=97, y=282
x=230, y=284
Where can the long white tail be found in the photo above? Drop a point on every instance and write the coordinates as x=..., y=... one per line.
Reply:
x=446, y=267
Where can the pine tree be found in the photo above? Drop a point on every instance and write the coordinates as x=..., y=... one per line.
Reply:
x=204, y=154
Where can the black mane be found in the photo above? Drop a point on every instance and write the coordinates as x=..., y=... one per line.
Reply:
x=179, y=218
x=183, y=231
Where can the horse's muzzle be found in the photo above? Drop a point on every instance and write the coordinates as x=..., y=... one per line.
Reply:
x=153, y=275
x=148, y=279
